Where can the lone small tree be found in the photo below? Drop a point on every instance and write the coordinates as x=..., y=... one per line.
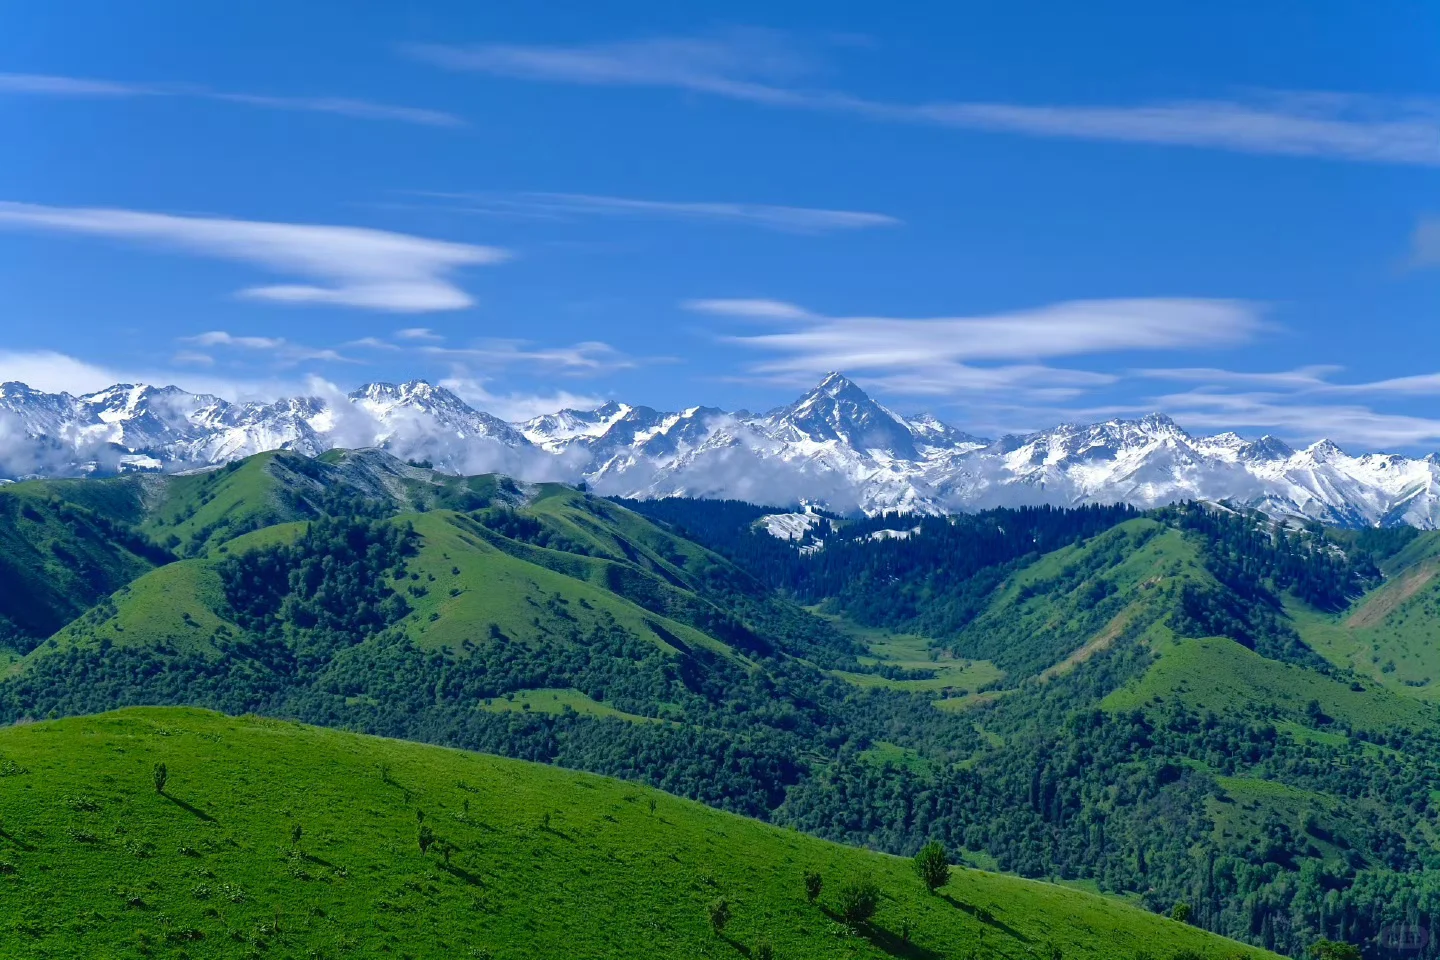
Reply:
x=719, y=911
x=160, y=774
x=763, y=951
x=296, y=832
x=859, y=898
x=814, y=883
x=932, y=865
x=1180, y=913
x=425, y=837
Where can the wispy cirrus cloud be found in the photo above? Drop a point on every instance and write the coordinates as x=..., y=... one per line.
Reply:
x=1301, y=378
x=418, y=333
x=1346, y=424
x=740, y=64
x=945, y=354
x=278, y=349
x=786, y=219
x=344, y=266
x=750, y=309
x=765, y=68
x=586, y=358
x=59, y=86
x=517, y=406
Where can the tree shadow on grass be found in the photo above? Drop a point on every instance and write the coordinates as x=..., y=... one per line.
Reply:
x=21, y=844
x=882, y=939
x=985, y=917
x=461, y=873
x=188, y=808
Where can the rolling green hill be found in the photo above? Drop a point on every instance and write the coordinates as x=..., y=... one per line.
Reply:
x=280, y=840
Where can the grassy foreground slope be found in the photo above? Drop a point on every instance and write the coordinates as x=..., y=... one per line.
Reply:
x=279, y=840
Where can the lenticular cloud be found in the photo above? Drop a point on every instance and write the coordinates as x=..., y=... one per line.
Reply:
x=339, y=266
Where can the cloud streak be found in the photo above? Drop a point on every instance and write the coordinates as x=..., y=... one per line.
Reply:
x=33, y=84
x=1342, y=423
x=760, y=67
x=803, y=220
x=588, y=358
x=344, y=266
x=940, y=355
x=281, y=350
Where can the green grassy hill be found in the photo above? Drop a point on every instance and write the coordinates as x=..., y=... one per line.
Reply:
x=193, y=512
x=279, y=840
x=1387, y=635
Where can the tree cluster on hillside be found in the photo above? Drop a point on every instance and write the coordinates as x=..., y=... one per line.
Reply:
x=933, y=580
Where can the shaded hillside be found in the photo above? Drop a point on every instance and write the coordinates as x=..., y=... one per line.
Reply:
x=57, y=559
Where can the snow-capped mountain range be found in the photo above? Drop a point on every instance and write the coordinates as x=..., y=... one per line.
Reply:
x=835, y=446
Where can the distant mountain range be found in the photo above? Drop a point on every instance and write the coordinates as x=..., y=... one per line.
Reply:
x=835, y=446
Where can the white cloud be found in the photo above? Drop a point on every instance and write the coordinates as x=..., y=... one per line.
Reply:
x=349, y=266
x=928, y=352
x=767, y=216
x=69, y=86
x=588, y=357
x=282, y=350
x=372, y=343
x=56, y=86
x=346, y=107
x=194, y=358
x=740, y=64
x=1037, y=382
x=418, y=333
x=761, y=68
x=218, y=338
x=53, y=372
x=1301, y=378
x=1342, y=423
x=1418, y=385
x=750, y=309
x=517, y=406
x=1341, y=127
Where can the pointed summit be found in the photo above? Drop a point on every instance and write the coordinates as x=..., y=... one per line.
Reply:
x=837, y=410
x=835, y=384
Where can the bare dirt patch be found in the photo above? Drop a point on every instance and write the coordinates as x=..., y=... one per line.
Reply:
x=1384, y=603
x=1101, y=641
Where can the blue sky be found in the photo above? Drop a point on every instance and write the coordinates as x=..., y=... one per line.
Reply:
x=1007, y=214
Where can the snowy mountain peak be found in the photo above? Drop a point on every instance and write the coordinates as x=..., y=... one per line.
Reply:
x=834, y=446
x=1324, y=451
x=838, y=411
x=1267, y=448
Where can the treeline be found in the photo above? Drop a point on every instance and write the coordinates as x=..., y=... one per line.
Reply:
x=933, y=580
